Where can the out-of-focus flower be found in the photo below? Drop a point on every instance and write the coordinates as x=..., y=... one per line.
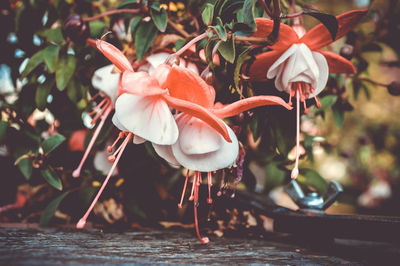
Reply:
x=298, y=65
x=106, y=81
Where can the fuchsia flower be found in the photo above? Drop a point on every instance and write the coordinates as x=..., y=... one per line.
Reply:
x=199, y=147
x=298, y=65
x=107, y=83
x=199, y=140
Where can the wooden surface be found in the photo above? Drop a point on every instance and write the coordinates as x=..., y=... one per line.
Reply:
x=93, y=246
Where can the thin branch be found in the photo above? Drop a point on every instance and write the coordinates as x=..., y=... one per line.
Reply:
x=178, y=29
x=371, y=81
x=113, y=12
x=294, y=15
x=266, y=9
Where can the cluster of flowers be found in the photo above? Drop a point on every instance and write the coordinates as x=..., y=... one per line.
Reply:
x=194, y=135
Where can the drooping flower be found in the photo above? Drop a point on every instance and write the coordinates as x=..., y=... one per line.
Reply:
x=106, y=82
x=200, y=147
x=142, y=110
x=298, y=64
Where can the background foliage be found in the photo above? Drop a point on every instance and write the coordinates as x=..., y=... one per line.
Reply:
x=46, y=90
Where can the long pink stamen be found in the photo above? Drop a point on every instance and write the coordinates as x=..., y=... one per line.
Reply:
x=193, y=185
x=77, y=172
x=112, y=157
x=111, y=147
x=196, y=182
x=82, y=221
x=99, y=114
x=184, y=189
x=95, y=96
x=209, y=183
x=97, y=107
x=295, y=171
x=290, y=97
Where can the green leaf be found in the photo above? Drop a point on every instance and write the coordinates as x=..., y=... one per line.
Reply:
x=338, y=117
x=274, y=175
x=25, y=166
x=51, y=56
x=52, y=35
x=179, y=44
x=243, y=57
x=248, y=13
x=97, y=28
x=327, y=102
x=51, y=177
x=156, y=6
x=220, y=30
x=159, y=18
x=33, y=62
x=3, y=129
x=255, y=129
x=51, y=209
x=207, y=14
x=52, y=142
x=144, y=37
x=310, y=177
x=127, y=2
x=329, y=21
x=227, y=50
x=134, y=23
x=75, y=90
x=65, y=69
x=42, y=92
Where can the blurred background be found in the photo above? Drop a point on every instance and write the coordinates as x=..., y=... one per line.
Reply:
x=353, y=139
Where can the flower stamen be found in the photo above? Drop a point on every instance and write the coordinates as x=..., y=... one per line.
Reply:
x=82, y=221
x=196, y=183
x=184, y=189
x=77, y=172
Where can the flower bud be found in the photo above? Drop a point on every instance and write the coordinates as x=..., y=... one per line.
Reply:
x=394, y=88
x=75, y=28
x=347, y=51
x=173, y=59
x=208, y=76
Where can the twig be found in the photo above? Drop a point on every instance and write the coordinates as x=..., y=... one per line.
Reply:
x=266, y=9
x=371, y=81
x=178, y=29
x=113, y=12
x=294, y=15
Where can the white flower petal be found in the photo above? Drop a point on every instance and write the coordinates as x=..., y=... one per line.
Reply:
x=165, y=152
x=308, y=56
x=148, y=117
x=157, y=59
x=104, y=80
x=138, y=140
x=212, y=161
x=323, y=72
x=272, y=72
x=102, y=164
x=196, y=137
x=118, y=124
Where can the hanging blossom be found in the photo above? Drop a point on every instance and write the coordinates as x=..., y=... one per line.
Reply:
x=142, y=110
x=298, y=64
x=200, y=147
x=106, y=81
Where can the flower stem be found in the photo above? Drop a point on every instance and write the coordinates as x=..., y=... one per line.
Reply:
x=295, y=171
x=113, y=12
x=190, y=43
